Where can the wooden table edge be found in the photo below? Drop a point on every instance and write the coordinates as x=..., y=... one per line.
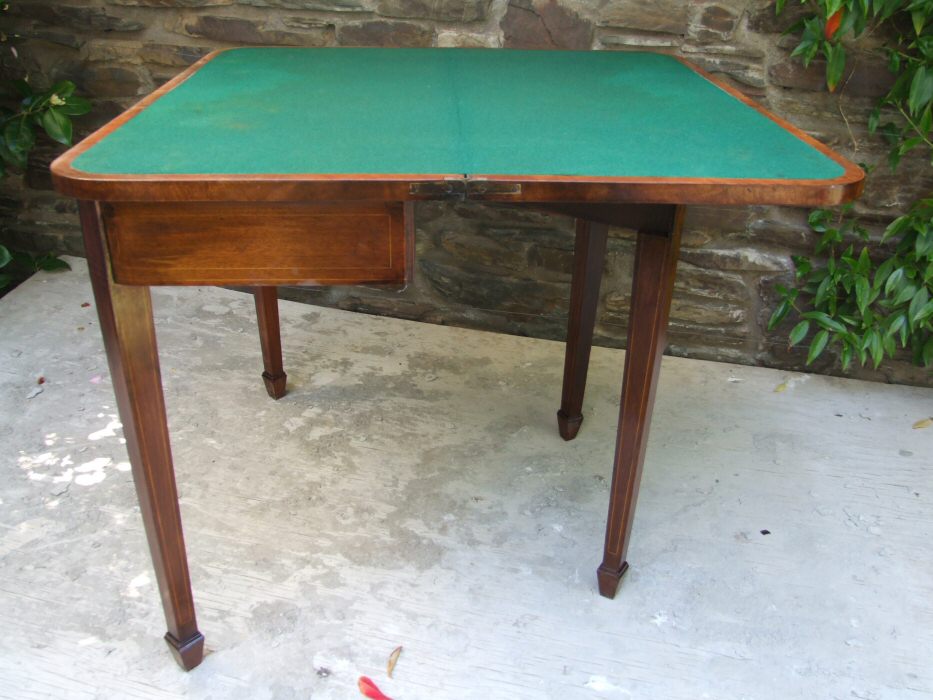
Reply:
x=524, y=189
x=73, y=182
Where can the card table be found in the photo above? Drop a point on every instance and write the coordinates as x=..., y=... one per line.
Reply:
x=290, y=166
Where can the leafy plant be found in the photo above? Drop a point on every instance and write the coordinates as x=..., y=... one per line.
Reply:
x=865, y=308
x=24, y=110
x=16, y=266
x=870, y=297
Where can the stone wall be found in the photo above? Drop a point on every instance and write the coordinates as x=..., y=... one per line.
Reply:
x=487, y=266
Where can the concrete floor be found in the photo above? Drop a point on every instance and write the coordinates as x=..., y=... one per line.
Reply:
x=412, y=490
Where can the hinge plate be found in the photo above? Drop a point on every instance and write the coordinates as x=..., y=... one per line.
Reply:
x=439, y=189
x=465, y=189
x=492, y=189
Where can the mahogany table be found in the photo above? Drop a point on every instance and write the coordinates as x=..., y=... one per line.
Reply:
x=292, y=166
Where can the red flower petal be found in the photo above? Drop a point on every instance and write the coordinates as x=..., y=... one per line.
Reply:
x=832, y=24
x=369, y=689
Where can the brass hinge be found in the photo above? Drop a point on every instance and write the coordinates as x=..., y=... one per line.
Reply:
x=461, y=189
x=442, y=189
x=492, y=189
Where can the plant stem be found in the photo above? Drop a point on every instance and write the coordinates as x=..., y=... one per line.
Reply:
x=915, y=127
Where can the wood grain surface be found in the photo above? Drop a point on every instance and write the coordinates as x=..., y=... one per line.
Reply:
x=257, y=244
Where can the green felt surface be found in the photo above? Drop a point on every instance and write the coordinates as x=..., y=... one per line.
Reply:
x=432, y=111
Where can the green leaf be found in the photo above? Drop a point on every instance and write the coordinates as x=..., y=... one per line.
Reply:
x=75, y=106
x=925, y=45
x=917, y=303
x=780, y=313
x=818, y=219
x=908, y=145
x=862, y=351
x=894, y=158
x=853, y=20
x=906, y=292
x=779, y=7
x=873, y=119
x=862, y=293
x=802, y=265
x=19, y=136
x=926, y=120
x=885, y=8
x=810, y=40
x=883, y=272
x=924, y=313
x=921, y=90
x=894, y=281
x=835, y=64
x=876, y=347
x=830, y=237
x=798, y=333
x=923, y=245
x=887, y=344
x=926, y=355
x=863, y=266
x=899, y=322
x=846, y=357
x=5, y=280
x=825, y=321
x=804, y=49
x=51, y=262
x=57, y=125
x=817, y=346
x=5, y=256
x=63, y=88
x=823, y=291
x=894, y=61
x=15, y=158
x=895, y=227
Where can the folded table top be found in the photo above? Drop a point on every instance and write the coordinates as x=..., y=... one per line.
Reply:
x=295, y=123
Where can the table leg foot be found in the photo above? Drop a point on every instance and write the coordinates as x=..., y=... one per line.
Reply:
x=275, y=384
x=652, y=288
x=270, y=339
x=609, y=579
x=125, y=314
x=568, y=425
x=588, y=260
x=188, y=653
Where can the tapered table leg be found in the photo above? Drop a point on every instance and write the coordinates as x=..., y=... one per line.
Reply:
x=267, y=312
x=129, y=337
x=652, y=287
x=588, y=260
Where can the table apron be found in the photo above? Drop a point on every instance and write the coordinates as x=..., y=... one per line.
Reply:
x=250, y=243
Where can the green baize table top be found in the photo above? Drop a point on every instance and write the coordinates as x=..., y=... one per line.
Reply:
x=465, y=111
